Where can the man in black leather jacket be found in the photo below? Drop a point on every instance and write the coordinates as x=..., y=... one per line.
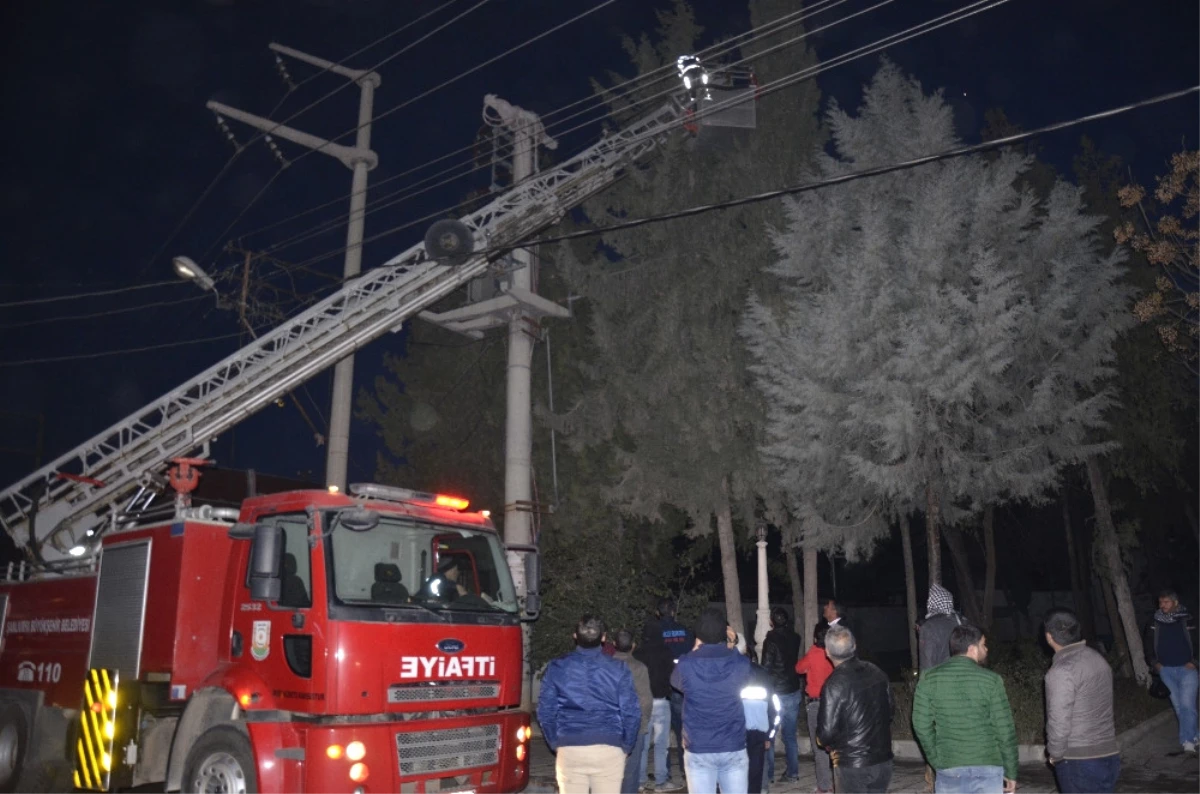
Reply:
x=854, y=719
x=781, y=649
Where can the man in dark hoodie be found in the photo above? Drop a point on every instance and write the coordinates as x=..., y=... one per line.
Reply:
x=711, y=679
x=660, y=663
x=678, y=641
x=940, y=620
x=1171, y=653
x=780, y=652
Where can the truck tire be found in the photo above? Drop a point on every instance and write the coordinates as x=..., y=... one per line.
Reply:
x=221, y=760
x=14, y=744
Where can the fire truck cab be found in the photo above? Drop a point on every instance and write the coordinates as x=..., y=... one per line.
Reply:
x=294, y=649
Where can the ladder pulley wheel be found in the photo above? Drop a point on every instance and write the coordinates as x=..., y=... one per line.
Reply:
x=449, y=241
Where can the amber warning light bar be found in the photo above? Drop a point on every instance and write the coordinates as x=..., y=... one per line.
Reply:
x=392, y=494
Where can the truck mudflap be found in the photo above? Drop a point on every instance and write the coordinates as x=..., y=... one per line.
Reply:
x=97, y=730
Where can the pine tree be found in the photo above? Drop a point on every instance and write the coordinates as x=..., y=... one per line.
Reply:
x=944, y=338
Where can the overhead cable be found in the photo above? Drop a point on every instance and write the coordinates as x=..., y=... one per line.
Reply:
x=96, y=294
x=769, y=88
x=766, y=29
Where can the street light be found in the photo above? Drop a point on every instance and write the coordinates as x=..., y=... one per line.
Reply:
x=188, y=270
x=763, y=618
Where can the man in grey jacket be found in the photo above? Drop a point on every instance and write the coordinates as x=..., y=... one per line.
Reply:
x=1081, y=740
x=641, y=682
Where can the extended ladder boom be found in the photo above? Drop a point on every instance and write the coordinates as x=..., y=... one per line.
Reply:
x=75, y=494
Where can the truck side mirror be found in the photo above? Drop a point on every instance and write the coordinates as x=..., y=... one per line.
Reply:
x=531, y=559
x=266, y=580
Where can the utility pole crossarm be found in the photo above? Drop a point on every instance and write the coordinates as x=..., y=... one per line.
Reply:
x=348, y=155
x=329, y=66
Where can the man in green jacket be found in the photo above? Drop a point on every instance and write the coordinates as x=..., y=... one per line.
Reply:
x=963, y=722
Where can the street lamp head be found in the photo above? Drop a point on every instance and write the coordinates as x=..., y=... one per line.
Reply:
x=760, y=531
x=187, y=269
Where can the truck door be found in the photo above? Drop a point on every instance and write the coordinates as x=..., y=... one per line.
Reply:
x=282, y=640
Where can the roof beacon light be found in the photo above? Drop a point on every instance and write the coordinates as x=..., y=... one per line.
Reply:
x=452, y=502
x=392, y=494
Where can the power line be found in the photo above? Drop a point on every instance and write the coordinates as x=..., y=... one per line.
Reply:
x=259, y=136
x=106, y=313
x=374, y=44
x=238, y=151
x=786, y=81
x=80, y=295
x=430, y=91
x=844, y=178
x=105, y=353
x=404, y=194
x=776, y=25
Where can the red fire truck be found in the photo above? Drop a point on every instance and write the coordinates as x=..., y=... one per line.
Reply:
x=305, y=646
x=313, y=641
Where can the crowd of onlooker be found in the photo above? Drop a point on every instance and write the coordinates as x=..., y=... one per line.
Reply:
x=605, y=705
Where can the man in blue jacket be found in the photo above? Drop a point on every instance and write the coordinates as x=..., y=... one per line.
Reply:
x=712, y=678
x=589, y=713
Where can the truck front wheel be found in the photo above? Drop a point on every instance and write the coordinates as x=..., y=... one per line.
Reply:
x=220, y=762
x=14, y=742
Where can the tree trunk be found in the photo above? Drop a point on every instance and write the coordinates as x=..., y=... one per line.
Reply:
x=1110, y=553
x=1192, y=520
x=1080, y=592
x=793, y=568
x=812, y=609
x=910, y=589
x=1122, y=669
x=989, y=575
x=933, y=548
x=729, y=571
x=962, y=574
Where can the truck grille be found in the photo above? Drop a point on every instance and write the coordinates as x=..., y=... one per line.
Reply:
x=448, y=750
x=442, y=690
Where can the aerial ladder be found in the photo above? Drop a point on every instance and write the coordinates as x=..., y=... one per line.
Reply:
x=57, y=514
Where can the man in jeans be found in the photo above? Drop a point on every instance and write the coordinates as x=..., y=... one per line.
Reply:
x=589, y=713
x=780, y=651
x=854, y=718
x=659, y=662
x=1171, y=652
x=712, y=678
x=678, y=641
x=963, y=721
x=1081, y=741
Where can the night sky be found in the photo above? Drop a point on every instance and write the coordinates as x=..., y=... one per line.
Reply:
x=107, y=143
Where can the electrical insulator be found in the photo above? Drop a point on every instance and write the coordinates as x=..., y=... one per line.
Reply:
x=283, y=161
x=228, y=133
x=284, y=75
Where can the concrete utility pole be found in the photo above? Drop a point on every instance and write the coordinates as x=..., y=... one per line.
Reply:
x=520, y=309
x=359, y=159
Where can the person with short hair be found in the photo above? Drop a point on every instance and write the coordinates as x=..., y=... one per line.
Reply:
x=712, y=678
x=1171, y=649
x=963, y=721
x=678, y=641
x=815, y=668
x=780, y=652
x=1081, y=740
x=589, y=712
x=854, y=717
x=623, y=647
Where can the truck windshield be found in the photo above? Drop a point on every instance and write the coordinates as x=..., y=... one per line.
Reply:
x=406, y=563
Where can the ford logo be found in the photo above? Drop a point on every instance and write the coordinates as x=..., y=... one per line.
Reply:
x=451, y=646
